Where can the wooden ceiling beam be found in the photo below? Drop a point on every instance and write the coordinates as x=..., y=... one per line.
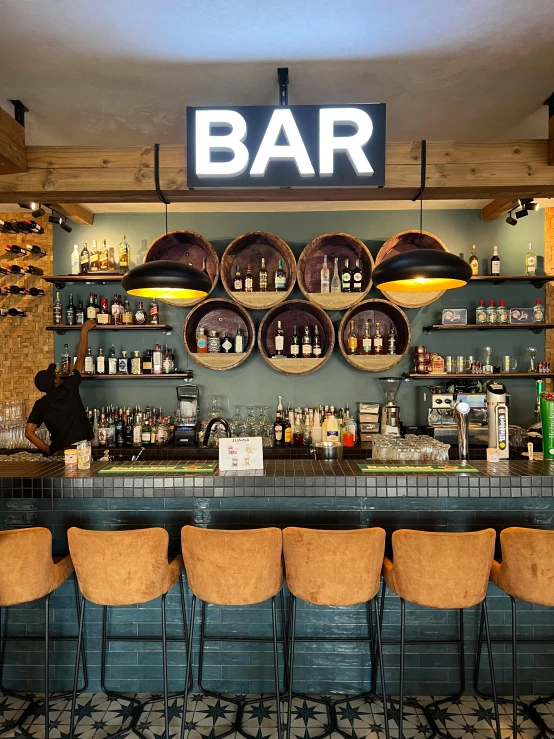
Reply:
x=13, y=157
x=498, y=208
x=74, y=212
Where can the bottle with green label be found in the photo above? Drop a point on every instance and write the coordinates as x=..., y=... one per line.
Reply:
x=547, y=422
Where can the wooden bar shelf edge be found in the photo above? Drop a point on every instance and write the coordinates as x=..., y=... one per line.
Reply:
x=470, y=375
x=60, y=281
x=535, y=280
x=534, y=327
x=110, y=327
x=174, y=375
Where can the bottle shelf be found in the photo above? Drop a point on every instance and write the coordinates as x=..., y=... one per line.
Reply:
x=472, y=376
x=173, y=375
x=535, y=280
x=96, y=278
x=107, y=327
x=536, y=328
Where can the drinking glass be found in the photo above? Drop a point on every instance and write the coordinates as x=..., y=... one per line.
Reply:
x=508, y=364
x=532, y=354
x=237, y=424
x=250, y=422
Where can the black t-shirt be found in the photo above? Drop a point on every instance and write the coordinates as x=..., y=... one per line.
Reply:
x=63, y=414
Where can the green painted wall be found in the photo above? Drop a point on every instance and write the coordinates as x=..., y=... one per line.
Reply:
x=337, y=382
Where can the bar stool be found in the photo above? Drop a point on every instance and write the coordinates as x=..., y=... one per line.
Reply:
x=27, y=573
x=443, y=571
x=232, y=568
x=525, y=573
x=123, y=568
x=334, y=568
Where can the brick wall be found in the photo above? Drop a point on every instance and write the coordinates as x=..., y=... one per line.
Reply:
x=25, y=345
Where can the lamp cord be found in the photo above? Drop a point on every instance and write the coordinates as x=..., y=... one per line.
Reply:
x=159, y=193
x=421, y=190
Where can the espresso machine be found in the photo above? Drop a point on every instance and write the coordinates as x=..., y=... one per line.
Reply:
x=437, y=406
x=186, y=421
x=497, y=409
x=390, y=412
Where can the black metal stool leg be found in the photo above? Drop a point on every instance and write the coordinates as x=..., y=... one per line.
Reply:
x=83, y=654
x=379, y=658
x=76, y=673
x=276, y=667
x=514, y=666
x=184, y=612
x=188, y=674
x=164, y=667
x=491, y=665
x=284, y=627
x=402, y=648
x=47, y=667
x=292, y=631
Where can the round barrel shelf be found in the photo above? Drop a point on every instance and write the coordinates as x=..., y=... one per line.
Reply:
x=386, y=315
x=400, y=243
x=190, y=248
x=220, y=315
x=342, y=246
x=297, y=313
x=249, y=249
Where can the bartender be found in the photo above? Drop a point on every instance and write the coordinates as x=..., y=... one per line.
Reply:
x=61, y=409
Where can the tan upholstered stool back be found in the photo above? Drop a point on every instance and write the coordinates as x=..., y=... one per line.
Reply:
x=333, y=568
x=440, y=570
x=27, y=571
x=233, y=568
x=120, y=568
x=527, y=569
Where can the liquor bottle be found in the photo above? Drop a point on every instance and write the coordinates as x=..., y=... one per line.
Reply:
x=287, y=430
x=94, y=259
x=238, y=284
x=538, y=312
x=492, y=313
x=30, y=270
x=119, y=431
x=104, y=257
x=166, y=361
x=263, y=277
x=154, y=312
x=65, y=364
x=325, y=277
x=279, y=340
x=136, y=363
x=377, y=340
x=391, y=341
x=278, y=435
x=357, y=276
x=157, y=359
x=346, y=278
x=104, y=317
x=58, y=311
x=84, y=259
x=110, y=432
x=127, y=314
x=140, y=315
x=112, y=362
x=503, y=313
x=14, y=269
x=36, y=292
x=214, y=342
x=473, y=261
x=146, y=434
x=34, y=249
x=91, y=308
x=15, y=312
x=239, y=341
x=75, y=260
x=70, y=312
x=4, y=271
x=13, y=290
x=317, y=347
x=201, y=342
x=352, y=340
x=137, y=430
x=366, y=339
x=31, y=227
x=306, y=343
x=530, y=261
x=124, y=255
x=294, y=347
x=204, y=266
x=226, y=343
x=481, y=313
x=298, y=431
x=15, y=249
x=335, y=282
x=495, y=262
x=114, y=311
x=123, y=364
x=100, y=362
x=280, y=277
x=6, y=227
x=94, y=443
x=102, y=431
x=80, y=313
x=89, y=362
x=147, y=362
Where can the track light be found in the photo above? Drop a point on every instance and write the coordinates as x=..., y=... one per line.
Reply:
x=529, y=204
x=521, y=213
x=61, y=222
x=66, y=227
x=36, y=208
x=511, y=220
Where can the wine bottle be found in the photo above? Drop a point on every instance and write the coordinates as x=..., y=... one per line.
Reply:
x=280, y=277
x=30, y=270
x=294, y=348
x=346, y=278
x=15, y=249
x=495, y=262
x=357, y=276
x=36, y=292
x=279, y=340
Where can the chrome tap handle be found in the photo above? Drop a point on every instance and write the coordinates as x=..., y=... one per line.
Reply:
x=462, y=421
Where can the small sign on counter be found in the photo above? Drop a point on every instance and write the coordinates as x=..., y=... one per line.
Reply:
x=242, y=453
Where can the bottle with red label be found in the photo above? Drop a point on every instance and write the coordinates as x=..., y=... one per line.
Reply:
x=154, y=312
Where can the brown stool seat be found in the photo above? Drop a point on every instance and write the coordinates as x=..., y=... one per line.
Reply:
x=333, y=568
x=233, y=568
x=440, y=570
x=123, y=568
x=527, y=568
x=27, y=570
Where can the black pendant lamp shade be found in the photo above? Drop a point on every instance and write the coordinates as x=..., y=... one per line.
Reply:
x=167, y=279
x=421, y=270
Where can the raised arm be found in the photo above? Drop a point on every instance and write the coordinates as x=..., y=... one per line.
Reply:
x=30, y=434
x=82, y=346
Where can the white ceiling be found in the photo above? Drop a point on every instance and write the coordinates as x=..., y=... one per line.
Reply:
x=120, y=72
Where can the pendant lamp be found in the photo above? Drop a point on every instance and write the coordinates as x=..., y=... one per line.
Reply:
x=421, y=270
x=166, y=278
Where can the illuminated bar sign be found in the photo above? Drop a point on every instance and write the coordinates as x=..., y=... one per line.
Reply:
x=286, y=146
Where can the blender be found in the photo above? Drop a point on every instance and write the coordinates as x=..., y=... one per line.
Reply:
x=390, y=412
x=186, y=421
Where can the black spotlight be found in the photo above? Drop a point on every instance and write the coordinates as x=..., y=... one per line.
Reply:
x=36, y=208
x=65, y=226
x=521, y=213
x=511, y=220
x=55, y=219
x=529, y=204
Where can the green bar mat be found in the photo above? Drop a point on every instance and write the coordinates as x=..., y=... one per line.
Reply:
x=444, y=468
x=153, y=468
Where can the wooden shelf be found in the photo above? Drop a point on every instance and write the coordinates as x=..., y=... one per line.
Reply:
x=219, y=361
x=536, y=328
x=174, y=375
x=472, y=376
x=60, y=281
x=300, y=366
x=335, y=301
x=374, y=363
x=103, y=327
x=535, y=280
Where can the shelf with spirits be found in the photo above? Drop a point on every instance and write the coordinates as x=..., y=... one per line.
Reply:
x=219, y=334
x=374, y=336
x=190, y=248
x=272, y=271
x=296, y=337
x=354, y=267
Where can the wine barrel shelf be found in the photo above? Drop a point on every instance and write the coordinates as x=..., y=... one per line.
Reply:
x=386, y=315
x=188, y=247
x=407, y=241
x=249, y=249
x=300, y=313
x=222, y=315
x=340, y=245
